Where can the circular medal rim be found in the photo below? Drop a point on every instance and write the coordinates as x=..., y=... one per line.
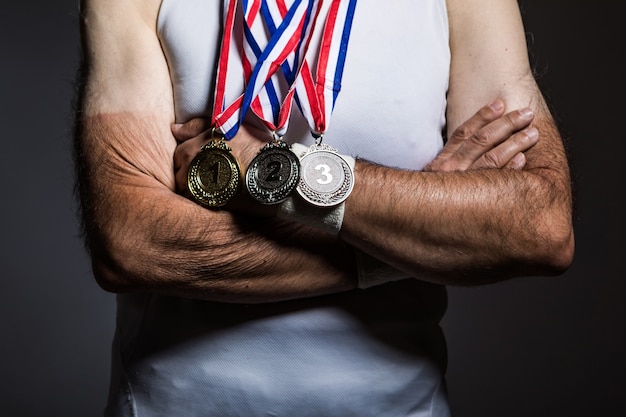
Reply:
x=340, y=195
x=280, y=194
x=217, y=198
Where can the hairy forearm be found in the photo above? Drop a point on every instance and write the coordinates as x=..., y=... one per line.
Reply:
x=145, y=237
x=468, y=227
x=141, y=234
x=464, y=228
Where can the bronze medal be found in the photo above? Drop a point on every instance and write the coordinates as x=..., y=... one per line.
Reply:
x=214, y=175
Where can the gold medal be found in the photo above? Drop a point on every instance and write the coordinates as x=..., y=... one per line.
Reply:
x=214, y=176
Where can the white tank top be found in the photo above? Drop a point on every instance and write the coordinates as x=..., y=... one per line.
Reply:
x=391, y=108
x=376, y=352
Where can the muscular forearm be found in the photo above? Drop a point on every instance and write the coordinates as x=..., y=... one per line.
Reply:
x=144, y=237
x=467, y=227
x=464, y=227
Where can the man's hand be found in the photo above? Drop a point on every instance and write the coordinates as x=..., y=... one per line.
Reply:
x=489, y=139
x=195, y=133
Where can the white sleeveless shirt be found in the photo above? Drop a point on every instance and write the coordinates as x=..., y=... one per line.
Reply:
x=376, y=352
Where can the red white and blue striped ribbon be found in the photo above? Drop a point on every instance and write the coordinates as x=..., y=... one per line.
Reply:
x=262, y=87
x=273, y=12
x=280, y=45
x=226, y=119
x=267, y=105
x=290, y=30
x=316, y=96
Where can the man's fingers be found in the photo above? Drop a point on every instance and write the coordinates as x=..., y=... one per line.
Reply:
x=488, y=139
x=191, y=135
x=447, y=159
x=183, y=155
x=504, y=154
x=190, y=129
x=493, y=134
x=480, y=119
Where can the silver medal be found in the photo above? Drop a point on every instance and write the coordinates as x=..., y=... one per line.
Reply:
x=273, y=173
x=326, y=178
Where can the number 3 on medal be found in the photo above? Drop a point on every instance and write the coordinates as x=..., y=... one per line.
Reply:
x=325, y=172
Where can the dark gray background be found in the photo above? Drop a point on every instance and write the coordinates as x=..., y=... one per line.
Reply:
x=530, y=347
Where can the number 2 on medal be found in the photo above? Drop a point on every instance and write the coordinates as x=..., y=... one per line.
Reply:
x=325, y=173
x=274, y=174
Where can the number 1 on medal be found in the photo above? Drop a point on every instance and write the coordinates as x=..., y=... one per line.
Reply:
x=215, y=168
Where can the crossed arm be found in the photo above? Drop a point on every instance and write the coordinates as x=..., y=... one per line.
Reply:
x=451, y=223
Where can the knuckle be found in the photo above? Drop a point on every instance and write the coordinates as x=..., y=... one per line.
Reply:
x=487, y=114
x=195, y=123
x=491, y=160
x=516, y=120
x=194, y=127
x=481, y=137
x=531, y=135
x=462, y=133
x=511, y=121
x=523, y=140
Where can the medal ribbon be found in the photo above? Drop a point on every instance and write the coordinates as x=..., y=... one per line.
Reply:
x=226, y=119
x=267, y=103
x=281, y=44
x=275, y=11
x=285, y=49
x=316, y=98
x=286, y=38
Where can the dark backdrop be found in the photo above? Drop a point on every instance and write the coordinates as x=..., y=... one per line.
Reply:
x=531, y=347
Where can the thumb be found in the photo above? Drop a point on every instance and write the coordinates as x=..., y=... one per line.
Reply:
x=191, y=128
